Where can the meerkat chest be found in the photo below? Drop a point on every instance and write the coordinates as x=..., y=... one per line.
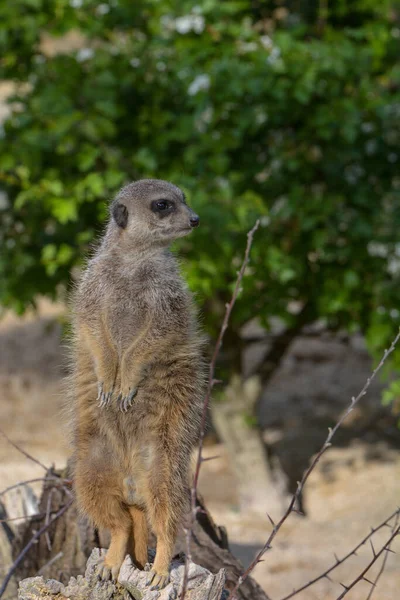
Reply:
x=126, y=321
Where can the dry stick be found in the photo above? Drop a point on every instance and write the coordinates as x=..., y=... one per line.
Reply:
x=32, y=458
x=383, y=565
x=210, y=384
x=30, y=544
x=24, y=517
x=307, y=472
x=50, y=562
x=47, y=519
x=340, y=561
x=375, y=557
x=16, y=485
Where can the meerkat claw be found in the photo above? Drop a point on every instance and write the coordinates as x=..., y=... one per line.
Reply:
x=159, y=581
x=104, y=572
x=99, y=393
x=108, y=397
x=125, y=402
x=104, y=397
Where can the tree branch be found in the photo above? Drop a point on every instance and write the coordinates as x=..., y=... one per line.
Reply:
x=340, y=561
x=307, y=473
x=383, y=565
x=375, y=557
x=210, y=384
x=32, y=458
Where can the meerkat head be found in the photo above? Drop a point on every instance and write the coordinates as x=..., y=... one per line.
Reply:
x=153, y=209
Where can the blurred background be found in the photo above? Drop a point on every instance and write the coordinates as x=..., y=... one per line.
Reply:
x=287, y=111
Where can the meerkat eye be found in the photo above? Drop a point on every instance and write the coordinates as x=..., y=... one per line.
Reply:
x=161, y=205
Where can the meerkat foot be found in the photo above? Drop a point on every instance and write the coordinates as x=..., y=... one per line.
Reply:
x=105, y=571
x=104, y=397
x=125, y=401
x=158, y=580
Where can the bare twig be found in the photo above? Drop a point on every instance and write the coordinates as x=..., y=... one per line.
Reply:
x=340, y=561
x=300, y=484
x=30, y=544
x=383, y=565
x=50, y=562
x=47, y=519
x=210, y=384
x=21, y=483
x=375, y=557
x=25, y=517
x=32, y=458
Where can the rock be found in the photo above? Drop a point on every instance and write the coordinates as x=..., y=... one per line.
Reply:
x=202, y=585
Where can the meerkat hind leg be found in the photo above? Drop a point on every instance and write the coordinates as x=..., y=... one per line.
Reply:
x=139, y=537
x=110, y=564
x=164, y=526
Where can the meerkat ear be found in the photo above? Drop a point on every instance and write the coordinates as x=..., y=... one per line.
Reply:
x=120, y=215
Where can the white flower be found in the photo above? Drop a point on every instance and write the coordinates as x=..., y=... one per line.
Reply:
x=371, y=147
x=103, y=9
x=3, y=200
x=204, y=119
x=76, y=3
x=273, y=57
x=246, y=47
x=367, y=127
x=84, y=54
x=377, y=249
x=266, y=42
x=189, y=23
x=135, y=62
x=394, y=266
x=353, y=173
x=199, y=83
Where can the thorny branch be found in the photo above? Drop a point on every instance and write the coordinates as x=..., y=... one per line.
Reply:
x=55, y=480
x=383, y=565
x=26, y=517
x=32, y=458
x=375, y=557
x=300, y=484
x=30, y=544
x=340, y=561
x=210, y=384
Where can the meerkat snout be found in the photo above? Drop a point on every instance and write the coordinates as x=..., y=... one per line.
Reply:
x=194, y=221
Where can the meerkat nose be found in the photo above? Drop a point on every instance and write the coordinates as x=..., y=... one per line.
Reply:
x=194, y=221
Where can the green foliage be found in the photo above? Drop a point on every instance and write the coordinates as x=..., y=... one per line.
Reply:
x=291, y=116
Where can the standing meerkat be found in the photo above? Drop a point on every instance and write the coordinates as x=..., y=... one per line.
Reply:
x=138, y=378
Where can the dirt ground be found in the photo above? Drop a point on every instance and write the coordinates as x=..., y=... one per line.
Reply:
x=351, y=491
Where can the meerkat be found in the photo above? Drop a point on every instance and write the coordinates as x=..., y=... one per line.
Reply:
x=138, y=378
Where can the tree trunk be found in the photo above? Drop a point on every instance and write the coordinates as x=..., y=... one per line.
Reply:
x=132, y=583
x=70, y=541
x=260, y=489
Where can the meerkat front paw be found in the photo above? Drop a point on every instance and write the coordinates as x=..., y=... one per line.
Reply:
x=104, y=395
x=158, y=579
x=125, y=399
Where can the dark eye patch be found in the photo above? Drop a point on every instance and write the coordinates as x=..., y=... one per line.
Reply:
x=162, y=207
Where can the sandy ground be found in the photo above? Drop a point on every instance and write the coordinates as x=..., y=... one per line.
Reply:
x=349, y=492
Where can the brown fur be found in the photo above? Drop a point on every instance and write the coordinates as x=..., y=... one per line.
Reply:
x=138, y=352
